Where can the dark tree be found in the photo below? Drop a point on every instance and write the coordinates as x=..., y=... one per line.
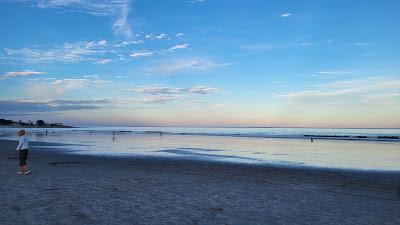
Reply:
x=6, y=122
x=40, y=123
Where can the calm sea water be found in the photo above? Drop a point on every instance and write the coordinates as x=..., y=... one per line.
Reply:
x=362, y=149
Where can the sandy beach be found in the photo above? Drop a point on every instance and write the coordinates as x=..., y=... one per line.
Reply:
x=77, y=189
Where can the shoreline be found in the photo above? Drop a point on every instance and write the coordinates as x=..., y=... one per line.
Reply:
x=79, y=189
x=132, y=156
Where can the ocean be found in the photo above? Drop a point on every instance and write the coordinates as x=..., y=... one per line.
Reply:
x=356, y=149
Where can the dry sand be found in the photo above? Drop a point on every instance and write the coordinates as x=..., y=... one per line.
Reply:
x=75, y=189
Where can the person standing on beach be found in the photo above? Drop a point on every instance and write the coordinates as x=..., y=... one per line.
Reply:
x=22, y=150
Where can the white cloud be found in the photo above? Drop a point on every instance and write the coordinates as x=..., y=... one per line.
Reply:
x=22, y=73
x=359, y=44
x=177, y=47
x=177, y=65
x=335, y=72
x=196, y=1
x=116, y=9
x=97, y=52
x=103, y=61
x=156, y=37
x=179, y=35
x=286, y=15
x=126, y=43
x=141, y=53
x=266, y=47
x=202, y=90
x=163, y=90
x=58, y=105
x=158, y=99
x=121, y=25
x=161, y=36
x=348, y=92
x=83, y=51
x=93, y=44
x=53, y=88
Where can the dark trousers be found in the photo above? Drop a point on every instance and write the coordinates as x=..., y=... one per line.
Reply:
x=23, y=154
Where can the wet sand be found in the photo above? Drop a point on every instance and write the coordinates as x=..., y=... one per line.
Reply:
x=76, y=189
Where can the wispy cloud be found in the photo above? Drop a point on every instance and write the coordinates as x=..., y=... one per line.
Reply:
x=360, y=44
x=126, y=43
x=54, y=88
x=178, y=65
x=103, y=61
x=156, y=37
x=96, y=52
x=121, y=25
x=28, y=105
x=163, y=90
x=335, y=72
x=22, y=73
x=196, y=1
x=285, y=15
x=22, y=106
x=350, y=92
x=266, y=47
x=147, y=53
x=177, y=47
x=141, y=53
x=84, y=51
x=116, y=9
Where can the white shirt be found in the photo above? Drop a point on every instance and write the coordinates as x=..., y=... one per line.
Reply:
x=23, y=143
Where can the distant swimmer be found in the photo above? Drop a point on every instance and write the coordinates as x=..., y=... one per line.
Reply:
x=161, y=134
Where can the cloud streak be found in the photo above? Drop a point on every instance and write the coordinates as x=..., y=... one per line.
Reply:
x=84, y=51
x=116, y=9
x=360, y=44
x=334, y=72
x=54, y=88
x=370, y=90
x=163, y=90
x=173, y=66
x=147, y=53
x=22, y=73
x=266, y=47
x=22, y=106
x=141, y=54
x=96, y=52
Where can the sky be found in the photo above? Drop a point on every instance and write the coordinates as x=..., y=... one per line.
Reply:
x=283, y=63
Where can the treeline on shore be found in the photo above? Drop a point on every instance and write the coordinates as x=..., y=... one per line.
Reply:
x=29, y=123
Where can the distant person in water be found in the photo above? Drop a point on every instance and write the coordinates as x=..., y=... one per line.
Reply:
x=312, y=140
x=22, y=150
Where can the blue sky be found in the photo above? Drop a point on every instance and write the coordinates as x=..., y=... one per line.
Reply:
x=201, y=62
